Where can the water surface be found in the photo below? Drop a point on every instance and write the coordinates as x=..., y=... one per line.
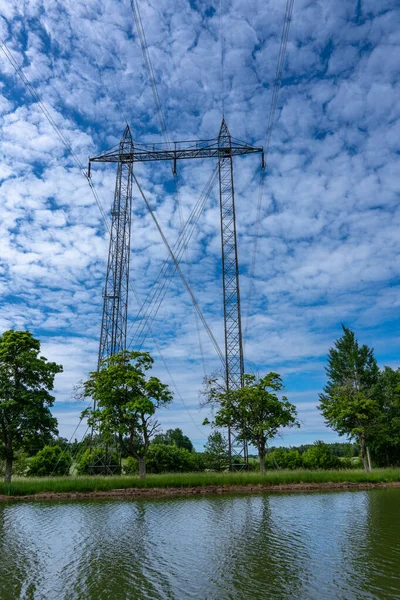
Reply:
x=323, y=545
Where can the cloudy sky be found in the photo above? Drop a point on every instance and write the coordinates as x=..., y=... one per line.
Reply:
x=328, y=250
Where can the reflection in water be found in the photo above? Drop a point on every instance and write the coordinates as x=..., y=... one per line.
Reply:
x=310, y=546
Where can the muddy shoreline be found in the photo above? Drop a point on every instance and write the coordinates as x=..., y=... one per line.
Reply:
x=207, y=490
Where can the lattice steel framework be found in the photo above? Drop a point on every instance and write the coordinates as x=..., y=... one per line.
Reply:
x=113, y=331
x=115, y=303
x=234, y=363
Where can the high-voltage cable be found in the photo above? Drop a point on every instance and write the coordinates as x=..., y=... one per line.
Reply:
x=168, y=268
x=146, y=55
x=178, y=268
x=270, y=125
x=54, y=125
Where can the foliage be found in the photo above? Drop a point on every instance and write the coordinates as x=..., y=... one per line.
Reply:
x=386, y=442
x=51, y=460
x=26, y=378
x=216, y=456
x=131, y=466
x=287, y=458
x=163, y=458
x=319, y=456
x=349, y=402
x=174, y=437
x=99, y=461
x=21, y=464
x=255, y=411
x=126, y=402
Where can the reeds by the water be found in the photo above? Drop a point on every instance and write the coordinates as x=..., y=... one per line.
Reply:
x=30, y=486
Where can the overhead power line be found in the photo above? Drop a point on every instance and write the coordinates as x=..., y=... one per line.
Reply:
x=270, y=125
x=160, y=114
x=178, y=268
x=54, y=125
x=152, y=303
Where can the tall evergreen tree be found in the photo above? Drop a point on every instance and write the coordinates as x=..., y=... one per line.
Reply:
x=349, y=401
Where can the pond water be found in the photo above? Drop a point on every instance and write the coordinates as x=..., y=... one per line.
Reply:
x=308, y=546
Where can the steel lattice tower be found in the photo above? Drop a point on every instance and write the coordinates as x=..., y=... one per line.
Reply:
x=113, y=329
x=234, y=363
x=115, y=304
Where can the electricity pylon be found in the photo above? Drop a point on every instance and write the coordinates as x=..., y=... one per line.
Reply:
x=115, y=294
x=224, y=148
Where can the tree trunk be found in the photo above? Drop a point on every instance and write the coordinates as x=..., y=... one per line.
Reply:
x=364, y=454
x=9, y=464
x=261, y=456
x=369, y=460
x=142, y=467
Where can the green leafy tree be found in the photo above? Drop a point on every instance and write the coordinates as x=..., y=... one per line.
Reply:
x=320, y=456
x=174, y=437
x=386, y=444
x=216, y=455
x=51, y=460
x=126, y=402
x=26, y=378
x=254, y=411
x=349, y=401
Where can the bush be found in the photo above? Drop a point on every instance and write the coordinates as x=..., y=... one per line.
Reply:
x=216, y=455
x=51, y=460
x=131, y=466
x=287, y=459
x=171, y=459
x=166, y=459
x=98, y=461
x=21, y=464
x=319, y=456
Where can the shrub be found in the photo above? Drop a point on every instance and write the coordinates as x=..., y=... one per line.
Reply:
x=51, y=460
x=21, y=464
x=131, y=466
x=171, y=459
x=287, y=459
x=216, y=455
x=98, y=461
x=319, y=456
x=162, y=458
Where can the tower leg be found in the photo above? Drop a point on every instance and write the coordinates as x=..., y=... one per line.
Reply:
x=115, y=303
x=234, y=364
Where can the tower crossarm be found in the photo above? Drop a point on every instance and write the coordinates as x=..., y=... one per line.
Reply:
x=177, y=151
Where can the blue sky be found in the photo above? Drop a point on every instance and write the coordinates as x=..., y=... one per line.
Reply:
x=328, y=250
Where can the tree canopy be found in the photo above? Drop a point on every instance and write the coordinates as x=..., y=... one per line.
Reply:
x=26, y=379
x=254, y=411
x=126, y=401
x=349, y=402
x=174, y=437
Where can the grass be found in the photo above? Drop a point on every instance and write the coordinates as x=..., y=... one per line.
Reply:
x=28, y=486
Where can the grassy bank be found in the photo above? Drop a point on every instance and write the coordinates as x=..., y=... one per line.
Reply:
x=29, y=486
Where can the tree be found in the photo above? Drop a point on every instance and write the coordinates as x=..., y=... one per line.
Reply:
x=386, y=443
x=126, y=401
x=349, y=402
x=174, y=437
x=51, y=460
x=320, y=456
x=25, y=381
x=216, y=453
x=254, y=411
